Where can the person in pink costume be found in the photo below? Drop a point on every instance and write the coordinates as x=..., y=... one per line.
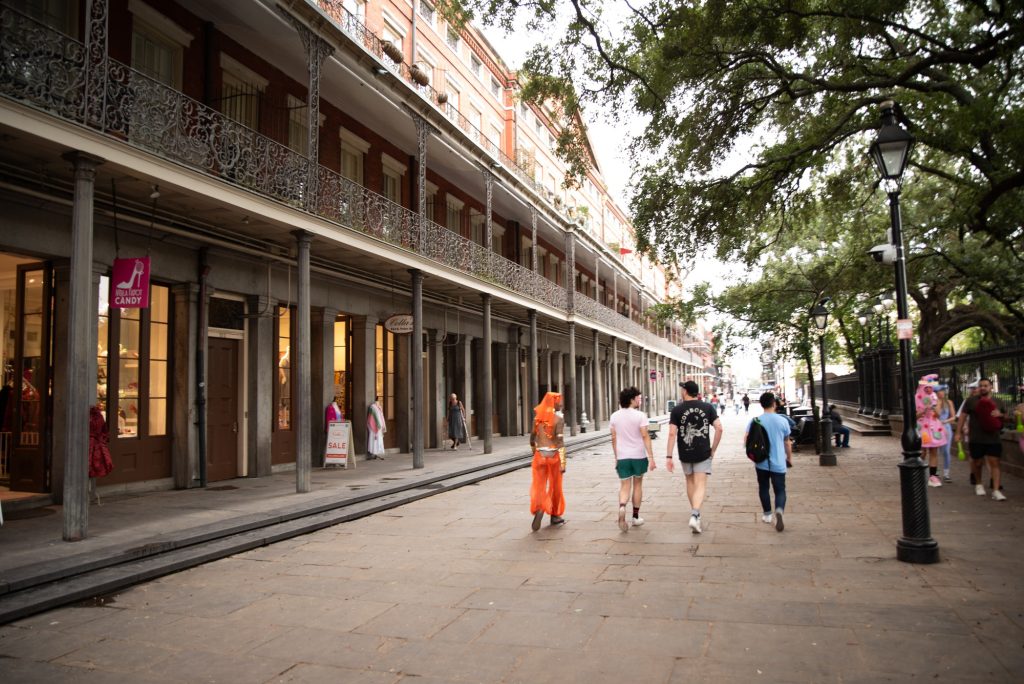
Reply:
x=929, y=426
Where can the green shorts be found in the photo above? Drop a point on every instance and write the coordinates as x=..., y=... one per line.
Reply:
x=631, y=467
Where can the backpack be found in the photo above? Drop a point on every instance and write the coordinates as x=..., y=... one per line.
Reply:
x=757, y=445
x=986, y=421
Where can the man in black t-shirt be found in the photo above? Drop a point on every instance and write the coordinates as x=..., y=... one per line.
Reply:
x=690, y=425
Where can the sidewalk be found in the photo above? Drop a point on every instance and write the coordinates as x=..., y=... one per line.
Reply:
x=457, y=588
x=30, y=541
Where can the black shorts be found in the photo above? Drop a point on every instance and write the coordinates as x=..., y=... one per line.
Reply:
x=980, y=451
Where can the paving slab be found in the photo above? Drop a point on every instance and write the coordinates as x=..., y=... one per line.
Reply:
x=457, y=588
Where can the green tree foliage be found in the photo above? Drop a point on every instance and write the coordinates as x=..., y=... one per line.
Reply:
x=791, y=88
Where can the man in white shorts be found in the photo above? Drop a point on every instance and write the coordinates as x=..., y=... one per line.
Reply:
x=634, y=455
x=690, y=425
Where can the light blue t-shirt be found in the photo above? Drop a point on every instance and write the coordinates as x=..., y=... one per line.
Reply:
x=777, y=428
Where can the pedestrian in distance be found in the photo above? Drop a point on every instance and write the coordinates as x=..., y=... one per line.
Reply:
x=947, y=416
x=548, y=443
x=634, y=455
x=772, y=470
x=746, y=403
x=455, y=418
x=983, y=415
x=933, y=434
x=375, y=429
x=690, y=425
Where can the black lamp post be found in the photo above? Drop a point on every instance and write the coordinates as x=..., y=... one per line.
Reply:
x=820, y=316
x=890, y=152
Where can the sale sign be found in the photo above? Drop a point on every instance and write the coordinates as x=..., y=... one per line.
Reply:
x=129, y=283
x=336, y=452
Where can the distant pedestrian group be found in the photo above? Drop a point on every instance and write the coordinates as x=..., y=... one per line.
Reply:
x=695, y=433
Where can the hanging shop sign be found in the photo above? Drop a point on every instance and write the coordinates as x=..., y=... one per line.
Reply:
x=399, y=324
x=336, y=452
x=129, y=283
x=654, y=375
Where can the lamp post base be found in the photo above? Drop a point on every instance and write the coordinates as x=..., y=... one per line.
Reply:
x=826, y=457
x=916, y=545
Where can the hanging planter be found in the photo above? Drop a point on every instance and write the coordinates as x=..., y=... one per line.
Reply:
x=419, y=75
x=442, y=98
x=392, y=51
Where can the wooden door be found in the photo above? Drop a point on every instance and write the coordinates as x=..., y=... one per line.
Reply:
x=222, y=409
x=31, y=399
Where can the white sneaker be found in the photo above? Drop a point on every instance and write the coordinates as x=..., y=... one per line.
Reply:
x=979, y=490
x=637, y=522
x=766, y=518
x=695, y=524
x=998, y=495
x=934, y=481
x=623, y=525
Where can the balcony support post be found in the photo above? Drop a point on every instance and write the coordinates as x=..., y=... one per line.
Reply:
x=316, y=50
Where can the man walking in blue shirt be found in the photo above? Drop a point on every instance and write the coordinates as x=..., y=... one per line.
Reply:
x=773, y=469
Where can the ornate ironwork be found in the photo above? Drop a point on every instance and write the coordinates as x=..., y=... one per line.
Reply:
x=47, y=70
x=488, y=208
x=570, y=269
x=533, y=238
x=35, y=68
x=96, y=67
x=371, y=42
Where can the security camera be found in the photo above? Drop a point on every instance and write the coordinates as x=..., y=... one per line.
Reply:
x=883, y=253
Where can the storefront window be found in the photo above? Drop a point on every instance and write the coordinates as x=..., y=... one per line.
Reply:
x=385, y=375
x=138, y=364
x=342, y=363
x=159, y=335
x=103, y=336
x=284, y=369
x=128, y=373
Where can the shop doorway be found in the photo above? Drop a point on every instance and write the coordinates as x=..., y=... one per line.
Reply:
x=26, y=398
x=222, y=414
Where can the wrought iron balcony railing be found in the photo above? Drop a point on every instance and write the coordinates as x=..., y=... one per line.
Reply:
x=51, y=72
x=372, y=43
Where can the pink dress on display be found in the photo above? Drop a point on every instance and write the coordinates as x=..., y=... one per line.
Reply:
x=929, y=426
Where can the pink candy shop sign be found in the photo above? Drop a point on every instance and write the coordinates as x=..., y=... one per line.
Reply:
x=129, y=283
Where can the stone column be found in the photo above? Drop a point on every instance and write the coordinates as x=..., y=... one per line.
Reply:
x=322, y=359
x=261, y=383
x=417, y=368
x=628, y=380
x=401, y=423
x=484, y=421
x=316, y=50
x=548, y=380
x=301, y=367
x=504, y=407
x=533, y=383
x=559, y=371
x=466, y=354
x=437, y=402
x=364, y=378
x=595, y=382
x=80, y=387
x=569, y=396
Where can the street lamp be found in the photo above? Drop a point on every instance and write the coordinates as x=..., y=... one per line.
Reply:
x=820, y=316
x=890, y=152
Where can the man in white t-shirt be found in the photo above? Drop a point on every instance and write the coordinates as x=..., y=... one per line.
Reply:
x=634, y=456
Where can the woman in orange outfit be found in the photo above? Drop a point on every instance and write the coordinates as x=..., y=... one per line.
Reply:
x=548, y=461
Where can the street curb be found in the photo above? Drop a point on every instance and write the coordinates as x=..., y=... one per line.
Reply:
x=75, y=581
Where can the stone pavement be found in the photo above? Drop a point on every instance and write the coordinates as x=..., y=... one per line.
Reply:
x=32, y=539
x=456, y=588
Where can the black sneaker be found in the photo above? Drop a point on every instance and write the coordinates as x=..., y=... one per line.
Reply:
x=537, y=518
x=557, y=520
x=779, y=525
